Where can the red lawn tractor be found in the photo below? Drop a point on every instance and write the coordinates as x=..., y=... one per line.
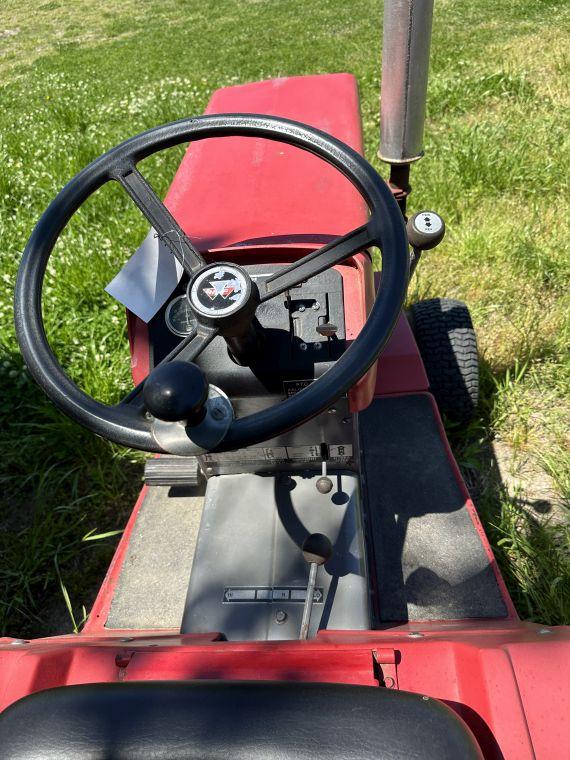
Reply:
x=304, y=574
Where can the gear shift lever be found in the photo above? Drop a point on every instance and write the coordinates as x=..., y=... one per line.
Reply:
x=317, y=549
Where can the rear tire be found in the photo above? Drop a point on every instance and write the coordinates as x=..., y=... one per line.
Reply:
x=448, y=346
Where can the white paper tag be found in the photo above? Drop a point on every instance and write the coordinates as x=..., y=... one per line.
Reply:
x=148, y=278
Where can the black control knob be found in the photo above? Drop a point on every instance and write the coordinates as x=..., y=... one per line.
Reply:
x=317, y=549
x=176, y=392
x=425, y=229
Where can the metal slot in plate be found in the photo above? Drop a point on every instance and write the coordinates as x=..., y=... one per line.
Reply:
x=338, y=453
x=240, y=594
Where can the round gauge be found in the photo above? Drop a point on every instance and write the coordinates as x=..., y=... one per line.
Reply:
x=180, y=318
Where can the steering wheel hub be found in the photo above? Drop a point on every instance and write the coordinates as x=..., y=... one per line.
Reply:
x=220, y=290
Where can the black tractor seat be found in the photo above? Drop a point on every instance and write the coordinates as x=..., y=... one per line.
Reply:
x=219, y=720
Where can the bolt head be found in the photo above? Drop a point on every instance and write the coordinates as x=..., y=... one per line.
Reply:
x=301, y=308
x=280, y=617
x=303, y=346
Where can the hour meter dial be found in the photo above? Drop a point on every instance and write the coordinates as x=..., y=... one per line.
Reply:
x=180, y=318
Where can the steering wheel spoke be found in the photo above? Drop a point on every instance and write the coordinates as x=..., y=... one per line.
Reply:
x=314, y=263
x=166, y=226
x=187, y=350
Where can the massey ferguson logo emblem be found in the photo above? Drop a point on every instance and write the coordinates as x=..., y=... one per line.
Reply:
x=223, y=288
x=218, y=291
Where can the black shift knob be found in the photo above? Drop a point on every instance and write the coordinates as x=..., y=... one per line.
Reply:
x=176, y=392
x=317, y=548
x=425, y=230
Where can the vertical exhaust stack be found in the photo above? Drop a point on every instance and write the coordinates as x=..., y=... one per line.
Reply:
x=405, y=62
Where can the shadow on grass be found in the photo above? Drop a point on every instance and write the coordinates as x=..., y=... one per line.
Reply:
x=58, y=482
x=528, y=538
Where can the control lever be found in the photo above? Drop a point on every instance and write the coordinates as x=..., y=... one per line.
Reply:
x=324, y=484
x=190, y=416
x=317, y=549
x=177, y=391
x=425, y=229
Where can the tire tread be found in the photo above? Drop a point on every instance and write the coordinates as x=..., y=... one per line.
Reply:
x=448, y=346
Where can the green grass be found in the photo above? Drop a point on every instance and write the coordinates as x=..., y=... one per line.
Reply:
x=79, y=77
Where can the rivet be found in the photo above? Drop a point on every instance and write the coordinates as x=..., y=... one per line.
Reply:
x=218, y=413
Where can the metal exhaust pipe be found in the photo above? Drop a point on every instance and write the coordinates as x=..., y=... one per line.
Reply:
x=405, y=62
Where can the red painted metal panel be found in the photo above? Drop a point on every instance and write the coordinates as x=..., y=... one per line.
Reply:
x=236, y=189
x=139, y=347
x=542, y=673
x=102, y=605
x=507, y=680
x=302, y=664
x=400, y=368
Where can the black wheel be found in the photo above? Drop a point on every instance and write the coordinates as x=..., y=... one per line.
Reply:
x=448, y=346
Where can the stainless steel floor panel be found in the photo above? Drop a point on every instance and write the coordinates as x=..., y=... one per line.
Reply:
x=249, y=577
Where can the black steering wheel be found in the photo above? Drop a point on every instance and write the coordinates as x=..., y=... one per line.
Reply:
x=129, y=422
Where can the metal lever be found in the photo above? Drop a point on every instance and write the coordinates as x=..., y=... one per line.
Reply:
x=324, y=484
x=317, y=549
x=425, y=229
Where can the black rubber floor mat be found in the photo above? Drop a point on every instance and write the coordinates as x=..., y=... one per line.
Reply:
x=428, y=558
